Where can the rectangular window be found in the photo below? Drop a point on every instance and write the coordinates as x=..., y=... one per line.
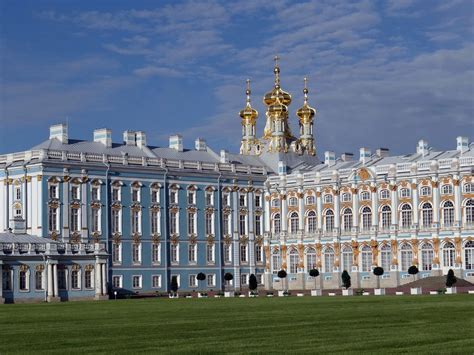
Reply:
x=385, y=258
x=53, y=191
x=116, y=253
x=53, y=219
x=192, y=281
x=136, y=228
x=6, y=280
x=23, y=280
x=39, y=280
x=276, y=263
x=62, y=280
x=366, y=261
x=258, y=200
x=174, y=253
x=75, y=280
x=244, y=279
x=88, y=279
x=137, y=281
x=226, y=224
x=156, y=281
x=117, y=281
x=115, y=194
x=209, y=223
x=74, y=220
x=210, y=253
x=243, y=253
x=259, y=279
x=173, y=196
x=116, y=225
x=192, y=253
x=18, y=193
x=135, y=195
x=209, y=198
x=226, y=199
x=427, y=259
x=227, y=253
x=258, y=225
x=75, y=192
x=211, y=280
x=95, y=220
x=95, y=193
x=136, y=253
x=173, y=223
x=191, y=197
x=242, y=224
x=242, y=200
x=258, y=253
x=191, y=223
x=155, y=196
x=155, y=217
x=155, y=253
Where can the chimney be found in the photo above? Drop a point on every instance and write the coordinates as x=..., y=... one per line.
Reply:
x=422, y=147
x=224, y=156
x=364, y=155
x=129, y=138
x=281, y=168
x=140, y=138
x=176, y=142
x=59, y=131
x=329, y=158
x=382, y=152
x=104, y=136
x=462, y=144
x=200, y=144
x=347, y=156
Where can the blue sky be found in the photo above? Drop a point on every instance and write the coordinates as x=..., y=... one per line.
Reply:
x=380, y=73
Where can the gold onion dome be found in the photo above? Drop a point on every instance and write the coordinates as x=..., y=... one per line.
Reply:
x=277, y=94
x=305, y=111
x=248, y=112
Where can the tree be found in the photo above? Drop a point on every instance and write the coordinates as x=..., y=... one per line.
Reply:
x=378, y=271
x=253, y=282
x=346, y=279
x=450, y=278
x=314, y=273
x=413, y=270
x=201, y=276
x=228, y=276
x=282, y=275
x=174, y=284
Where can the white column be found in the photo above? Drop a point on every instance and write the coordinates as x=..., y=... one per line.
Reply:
x=84, y=214
x=103, y=279
x=284, y=211
x=394, y=195
x=40, y=230
x=375, y=206
x=3, y=211
x=55, y=280
x=98, y=278
x=301, y=209
x=319, y=207
x=355, y=206
x=414, y=192
x=65, y=191
x=337, y=210
x=435, y=202
x=50, y=280
x=267, y=215
x=457, y=201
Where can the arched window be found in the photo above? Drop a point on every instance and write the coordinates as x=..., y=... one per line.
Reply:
x=276, y=261
x=448, y=213
x=446, y=189
x=469, y=212
x=406, y=216
x=346, y=197
x=366, y=218
x=276, y=202
x=310, y=200
x=312, y=225
x=384, y=194
x=469, y=255
x=365, y=196
x=449, y=254
x=294, y=258
x=404, y=193
x=427, y=255
x=426, y=214
x=294, y=222
x=406, y=256
x=386, y=217
x=347, y=258
x=329, y=220
x=310, y=259
x=328, y=260
x=327, y=198
x=292, y=201
x=366, y=258
x=385, y=257
x=276, y=223
x=347, y=219
x=425, y=191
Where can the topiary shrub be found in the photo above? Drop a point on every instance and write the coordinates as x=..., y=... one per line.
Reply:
x=378, y=271
x=282, y=275
x=346, y=279
x=228, y=277
x=413, y=270
x=174, y=284
x=450, y=278
x=253, y=282
x=314, y=273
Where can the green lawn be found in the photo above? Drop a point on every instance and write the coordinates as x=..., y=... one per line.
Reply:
x=388, y=324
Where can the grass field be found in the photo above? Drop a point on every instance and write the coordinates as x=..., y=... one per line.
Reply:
x=389, y=324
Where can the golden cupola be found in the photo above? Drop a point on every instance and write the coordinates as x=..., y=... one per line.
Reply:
x=277, y=93
x=306, y=114
x=249, y=143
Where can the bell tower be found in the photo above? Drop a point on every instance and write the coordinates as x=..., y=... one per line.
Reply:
x=306, y=114
x=249, y=143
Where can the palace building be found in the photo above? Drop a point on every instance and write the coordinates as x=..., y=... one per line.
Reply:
x=87, y=218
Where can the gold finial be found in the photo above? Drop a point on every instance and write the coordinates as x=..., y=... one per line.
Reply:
x=247, y=92
x=305, y=90
x=276, y=70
